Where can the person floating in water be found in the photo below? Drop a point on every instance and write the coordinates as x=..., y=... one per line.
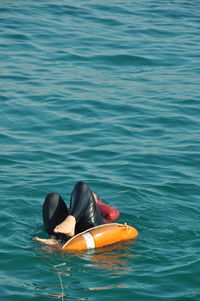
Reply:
x=85, y=211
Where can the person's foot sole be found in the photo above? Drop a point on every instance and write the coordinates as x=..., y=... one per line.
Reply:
x=67, y=227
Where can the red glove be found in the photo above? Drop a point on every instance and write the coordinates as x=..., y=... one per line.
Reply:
x=109, y=213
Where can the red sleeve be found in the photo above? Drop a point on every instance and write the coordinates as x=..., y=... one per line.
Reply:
x=109, y=213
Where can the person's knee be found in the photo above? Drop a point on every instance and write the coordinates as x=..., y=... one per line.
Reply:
x=52, y=199
x=81, y=185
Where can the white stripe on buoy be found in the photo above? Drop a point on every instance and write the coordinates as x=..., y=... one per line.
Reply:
x=89, y=240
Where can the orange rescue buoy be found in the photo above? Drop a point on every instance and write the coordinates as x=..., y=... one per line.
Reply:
x=100, y=236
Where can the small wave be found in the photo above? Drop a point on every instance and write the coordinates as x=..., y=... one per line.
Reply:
x=116, y=60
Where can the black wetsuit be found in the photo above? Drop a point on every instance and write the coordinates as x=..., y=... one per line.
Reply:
x=82, y=206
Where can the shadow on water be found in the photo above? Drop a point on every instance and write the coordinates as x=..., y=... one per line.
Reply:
x=78, y=269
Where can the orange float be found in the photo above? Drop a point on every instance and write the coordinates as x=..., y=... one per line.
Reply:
x=100, y=236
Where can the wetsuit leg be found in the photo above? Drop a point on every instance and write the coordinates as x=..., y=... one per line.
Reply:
x=83, y=207
x=55, y=212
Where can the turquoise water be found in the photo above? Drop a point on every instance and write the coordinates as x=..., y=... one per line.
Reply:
x=106, y=92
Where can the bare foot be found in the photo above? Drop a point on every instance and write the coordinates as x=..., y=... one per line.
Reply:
x=67, y=226
x=49, y=241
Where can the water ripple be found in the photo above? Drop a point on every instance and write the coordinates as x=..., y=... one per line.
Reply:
x=107, y=93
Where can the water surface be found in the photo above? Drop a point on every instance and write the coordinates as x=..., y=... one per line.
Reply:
x=106, y=92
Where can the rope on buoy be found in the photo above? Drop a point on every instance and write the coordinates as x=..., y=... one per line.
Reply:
x=125, y=224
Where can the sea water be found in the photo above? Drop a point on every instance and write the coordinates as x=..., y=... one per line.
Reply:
x=106, y=92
